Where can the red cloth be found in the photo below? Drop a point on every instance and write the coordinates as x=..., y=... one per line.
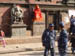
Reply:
x=37, y=14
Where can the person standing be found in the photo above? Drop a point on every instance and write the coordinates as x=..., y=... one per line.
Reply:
x=73, y=39
x=2, y=34
x=62, y=40
x=48, y=40
x=72, y=19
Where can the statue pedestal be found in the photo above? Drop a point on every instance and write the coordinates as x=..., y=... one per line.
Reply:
x=18, y=30
x=38, y=28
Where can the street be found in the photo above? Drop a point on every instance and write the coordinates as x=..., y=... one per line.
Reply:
x=30, y=53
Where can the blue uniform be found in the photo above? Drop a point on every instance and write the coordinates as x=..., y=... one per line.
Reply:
x=73, y=30
x=71, y=26
x=62, y=42
x=48, y=40
x=72, y=21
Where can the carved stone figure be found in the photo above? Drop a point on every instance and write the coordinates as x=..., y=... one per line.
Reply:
x=16, y=14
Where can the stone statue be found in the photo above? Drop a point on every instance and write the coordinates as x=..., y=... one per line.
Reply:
x=16, y=14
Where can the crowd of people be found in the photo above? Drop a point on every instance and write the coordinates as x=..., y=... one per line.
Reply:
x=49, y=38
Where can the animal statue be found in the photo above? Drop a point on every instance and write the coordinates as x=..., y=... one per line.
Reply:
x=16, y=14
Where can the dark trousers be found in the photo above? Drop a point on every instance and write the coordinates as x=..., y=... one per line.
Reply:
x=71, y=27
x=73, y=49
x=47, y=51
x=62, y=51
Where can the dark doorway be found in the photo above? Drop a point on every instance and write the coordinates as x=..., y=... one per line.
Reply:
x=57, y=19
x=53, y=17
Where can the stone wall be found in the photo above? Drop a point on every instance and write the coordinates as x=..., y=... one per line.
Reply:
x=38, y=29
x=66, y=19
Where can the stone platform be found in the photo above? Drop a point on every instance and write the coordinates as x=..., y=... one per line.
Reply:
x=22, y=40
x=19, y=30
x=38, y=28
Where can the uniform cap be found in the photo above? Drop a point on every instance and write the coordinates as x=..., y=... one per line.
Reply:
x=51, y=25
x=61, y=24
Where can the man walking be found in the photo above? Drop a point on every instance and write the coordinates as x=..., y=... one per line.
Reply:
x=63, y=39
x=48, y=40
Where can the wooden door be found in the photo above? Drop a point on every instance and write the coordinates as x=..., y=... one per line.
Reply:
x=50, y=19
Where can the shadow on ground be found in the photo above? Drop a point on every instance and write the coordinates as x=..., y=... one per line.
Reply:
x=41, y=54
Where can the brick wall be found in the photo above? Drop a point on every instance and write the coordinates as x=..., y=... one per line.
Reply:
x=5, y=18
x=9, y=0
x=51, y=2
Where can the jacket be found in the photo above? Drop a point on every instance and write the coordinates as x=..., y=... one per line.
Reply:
x=63, y=39
x=48, y=38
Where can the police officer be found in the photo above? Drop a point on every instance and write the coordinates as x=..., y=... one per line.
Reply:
x=63, y=39
x=73, y=30
x=48, y=40
x=72, y=19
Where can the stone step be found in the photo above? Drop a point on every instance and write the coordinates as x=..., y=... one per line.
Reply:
x=22, y=40
x=25, y=40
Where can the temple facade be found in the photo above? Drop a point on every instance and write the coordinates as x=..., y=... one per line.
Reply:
x=53, y=11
